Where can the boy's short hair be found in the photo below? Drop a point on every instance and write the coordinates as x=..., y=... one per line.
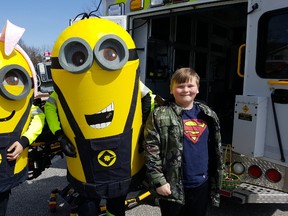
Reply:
x=183, y=75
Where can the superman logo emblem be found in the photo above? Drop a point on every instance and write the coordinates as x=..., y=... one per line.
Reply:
x=194, y=128
x=106, y=158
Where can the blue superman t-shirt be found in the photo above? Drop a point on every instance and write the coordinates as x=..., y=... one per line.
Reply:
x=195, y=148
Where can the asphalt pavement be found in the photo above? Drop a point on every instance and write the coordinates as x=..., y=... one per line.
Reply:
x=32, y=199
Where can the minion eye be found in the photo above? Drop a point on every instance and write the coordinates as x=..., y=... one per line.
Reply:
x=78, y=58
x=75, y=55
x=15, y=82
x=12, y=78
x=111, y=52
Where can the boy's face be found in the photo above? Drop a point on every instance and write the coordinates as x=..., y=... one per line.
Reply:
x=185, y=93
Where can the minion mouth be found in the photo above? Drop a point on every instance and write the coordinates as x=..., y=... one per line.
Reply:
x=8, y=117
x=101, y=119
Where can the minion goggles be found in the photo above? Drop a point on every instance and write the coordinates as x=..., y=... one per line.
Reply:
x=110, y=52
x=15, y=82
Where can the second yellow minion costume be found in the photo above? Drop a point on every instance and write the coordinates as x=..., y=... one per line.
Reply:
x=20, y=121
x=98, y=102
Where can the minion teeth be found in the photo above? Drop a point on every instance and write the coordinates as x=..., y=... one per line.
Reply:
x=101, y=119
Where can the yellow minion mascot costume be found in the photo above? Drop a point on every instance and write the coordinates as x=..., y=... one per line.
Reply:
x=20, y=121
x=98, y=101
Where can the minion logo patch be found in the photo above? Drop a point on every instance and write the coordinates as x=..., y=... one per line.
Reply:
x=106, y=158
x=0, y=158
x=193, y=129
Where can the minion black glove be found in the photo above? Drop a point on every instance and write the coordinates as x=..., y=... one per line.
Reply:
x=67, y=148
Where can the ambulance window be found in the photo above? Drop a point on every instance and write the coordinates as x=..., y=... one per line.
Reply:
x=272, y=48
x=164, y=25
x=201, y=64
x=181, y=58
x=202, y=34
x=183, y=32
x=49, y=72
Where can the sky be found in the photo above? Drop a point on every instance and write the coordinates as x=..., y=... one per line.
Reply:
x=43, y=20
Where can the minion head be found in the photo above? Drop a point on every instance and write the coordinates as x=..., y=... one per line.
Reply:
x=17, y=75
x=94, y=67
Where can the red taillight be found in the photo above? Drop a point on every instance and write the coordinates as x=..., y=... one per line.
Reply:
x=273, y=175
x=254, y=171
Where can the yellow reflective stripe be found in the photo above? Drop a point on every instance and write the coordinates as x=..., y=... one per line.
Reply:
x=152, y=101
x=146, y=3
x=36, y=110
x=36, y=125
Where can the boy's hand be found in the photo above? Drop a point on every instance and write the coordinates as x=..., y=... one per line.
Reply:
x=164, y=190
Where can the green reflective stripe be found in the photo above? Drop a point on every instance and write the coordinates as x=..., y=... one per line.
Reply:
x=109, y=214
x=50, y=109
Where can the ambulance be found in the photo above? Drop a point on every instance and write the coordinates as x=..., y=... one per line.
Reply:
x=240, y=50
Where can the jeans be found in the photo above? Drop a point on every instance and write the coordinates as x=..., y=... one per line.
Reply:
x=196, y=202
x=4, y=198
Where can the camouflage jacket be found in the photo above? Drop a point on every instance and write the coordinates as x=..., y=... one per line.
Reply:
x=163, y=145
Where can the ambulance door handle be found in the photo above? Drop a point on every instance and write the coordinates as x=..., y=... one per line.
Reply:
x=241, y=50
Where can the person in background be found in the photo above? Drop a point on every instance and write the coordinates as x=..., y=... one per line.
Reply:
x=183, y=155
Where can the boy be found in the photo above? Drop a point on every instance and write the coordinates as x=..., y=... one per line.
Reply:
x=183, y=153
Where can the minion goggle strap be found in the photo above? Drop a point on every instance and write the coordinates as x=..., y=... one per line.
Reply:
x=110, y=52
x=15, y=82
